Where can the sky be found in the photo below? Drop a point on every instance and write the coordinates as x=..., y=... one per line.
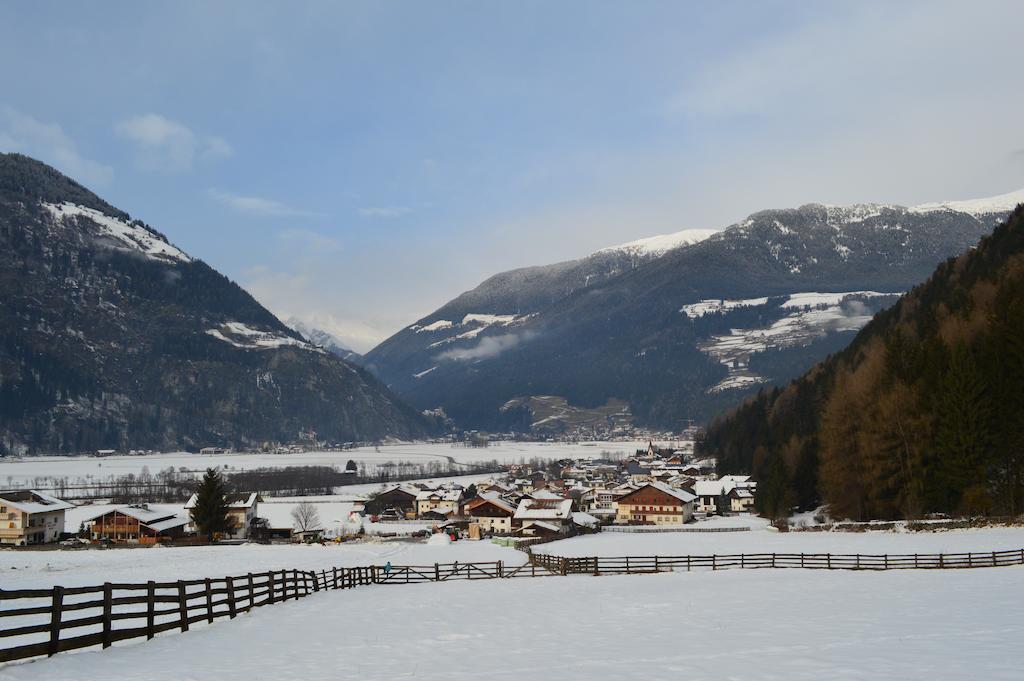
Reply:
x=357, y=165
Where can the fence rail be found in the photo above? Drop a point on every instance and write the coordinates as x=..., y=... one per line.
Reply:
x=37, y=622
x=655, y=529
x=611, y=565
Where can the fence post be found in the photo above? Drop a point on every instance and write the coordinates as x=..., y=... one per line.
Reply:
x=773, y=560
x=501, y=569
x=597, y=567
x=627, y=565
x=108, y=595
x=252, y=590
x=915, y=560
x=828, y=560
x=801, y=559
x=940, y=561
x=150, y=608
x=182, y=606
x=565, y=566
x=714, y=561
x=56, y=609
x=232, y=606
x=209, y=601
x=885, y=562
x=687, y=562
x=270, y=587
x=970, y=559
x=656, y=568
x=334, y=578
x=995, y=563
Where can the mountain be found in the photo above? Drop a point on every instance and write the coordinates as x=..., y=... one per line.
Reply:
x=923, y=412
x=111, y=337
x=323, y=339
x=676, y=332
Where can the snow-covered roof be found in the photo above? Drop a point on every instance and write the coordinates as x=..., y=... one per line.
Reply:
x=141, y=512
x=541, y=509
x=584, y=519
x=491, y=498
x=712, y=488
x=545, y=525
x=168, y=523
x=681, y=495
x=442, y=495
x=545, y=494
x=31, y=501
x=234, y=500
x=330, y=510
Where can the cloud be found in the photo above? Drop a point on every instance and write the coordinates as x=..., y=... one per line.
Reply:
x=48, y=142
x=488, y=347
x=320, y=244
x=257, y=205
x=384, y=211
x=163, y=144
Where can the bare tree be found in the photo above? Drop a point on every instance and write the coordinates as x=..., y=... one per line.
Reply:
x=305, y=517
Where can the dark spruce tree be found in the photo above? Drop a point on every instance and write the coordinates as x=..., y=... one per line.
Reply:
x=210, y=513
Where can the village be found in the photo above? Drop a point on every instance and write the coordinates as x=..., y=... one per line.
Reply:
x=659, y=487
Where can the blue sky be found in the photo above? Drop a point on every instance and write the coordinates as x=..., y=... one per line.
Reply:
x=358, y=164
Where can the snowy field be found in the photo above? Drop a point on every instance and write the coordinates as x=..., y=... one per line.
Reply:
x=28, y=470
x=87, y=567
x=786, y=625
x=764, y=539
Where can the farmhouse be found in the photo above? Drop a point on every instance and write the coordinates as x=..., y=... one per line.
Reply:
x=441, y=501
x=241, y=512
x=655, y=504
x=396, y=502
x=538, y=517
x=30, y=517
x=492, y=513
x=137, y=524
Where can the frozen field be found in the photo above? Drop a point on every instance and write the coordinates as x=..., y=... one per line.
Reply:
x=28, y=470
x=763, y=539
x=786, y=625
x=86, y=567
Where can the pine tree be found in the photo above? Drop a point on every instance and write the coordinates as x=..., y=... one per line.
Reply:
x=210, y=513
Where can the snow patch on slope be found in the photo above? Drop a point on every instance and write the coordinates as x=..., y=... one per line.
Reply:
x=662, y=243
x=131, y=236
x=246, y=337
x=995, y=204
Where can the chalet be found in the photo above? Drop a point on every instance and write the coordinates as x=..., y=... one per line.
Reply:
x=710, y=492
x=137, y=524
x=492, y=513
x=398, y=501
x=242, y=510
x=655, y=504
x=30, y=517
x=545, y=514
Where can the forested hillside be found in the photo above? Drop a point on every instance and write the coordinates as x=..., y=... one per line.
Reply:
x=113, y=338
x=923, y=412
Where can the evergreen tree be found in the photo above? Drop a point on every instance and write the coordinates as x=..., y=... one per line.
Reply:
x=210, y=513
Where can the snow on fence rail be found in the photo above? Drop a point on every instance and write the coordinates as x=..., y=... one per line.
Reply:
x=34, y=622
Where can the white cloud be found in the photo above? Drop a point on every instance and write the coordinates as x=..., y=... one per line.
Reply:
x=488, y=347
x=49, y=143
x=384, y=211
x=163, y=144
x=258, y=205
x=315, y=242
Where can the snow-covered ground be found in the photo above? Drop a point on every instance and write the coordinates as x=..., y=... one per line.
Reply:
x=790, y=625
x=85, y=567
x=31, y=470
x=764, y=539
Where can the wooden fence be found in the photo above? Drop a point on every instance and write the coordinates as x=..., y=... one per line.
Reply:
x=37, y=622
x=655, y=529
x=613, y=565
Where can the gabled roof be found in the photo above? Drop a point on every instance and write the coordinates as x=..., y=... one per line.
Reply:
x=31, y=501
x=682, y=495
x=495, y=501
x=141, y=512
x=234, y=500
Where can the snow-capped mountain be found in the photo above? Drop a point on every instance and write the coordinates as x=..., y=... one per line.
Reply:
x=323, y=339
x=111, y=337
x=618, y=323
